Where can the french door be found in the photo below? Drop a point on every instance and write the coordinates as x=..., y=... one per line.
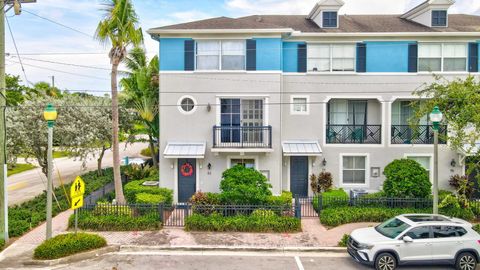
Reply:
x=241, y=120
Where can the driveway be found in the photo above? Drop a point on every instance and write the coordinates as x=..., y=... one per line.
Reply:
x=27, y=185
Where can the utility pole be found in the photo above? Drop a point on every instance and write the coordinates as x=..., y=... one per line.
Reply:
x=16, y=5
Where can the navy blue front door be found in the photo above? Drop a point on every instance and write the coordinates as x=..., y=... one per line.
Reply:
x=187, y=176
x=299, y=176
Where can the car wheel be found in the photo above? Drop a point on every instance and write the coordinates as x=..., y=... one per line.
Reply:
x=466, y=261
x=385, y=261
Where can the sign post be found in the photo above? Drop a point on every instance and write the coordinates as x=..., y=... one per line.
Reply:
x=76, y=194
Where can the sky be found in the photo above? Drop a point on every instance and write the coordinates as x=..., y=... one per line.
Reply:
x=79, y=62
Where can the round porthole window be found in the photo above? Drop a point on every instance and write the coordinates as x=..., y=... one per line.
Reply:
x=187, y=105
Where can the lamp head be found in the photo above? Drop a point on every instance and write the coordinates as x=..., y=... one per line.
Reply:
x=50, y=114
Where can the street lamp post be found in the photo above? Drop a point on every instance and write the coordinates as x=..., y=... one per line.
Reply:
x=50, y=115
x=436, y=117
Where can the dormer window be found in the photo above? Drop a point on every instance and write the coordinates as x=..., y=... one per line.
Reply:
x=439, y=18
x=330, y=19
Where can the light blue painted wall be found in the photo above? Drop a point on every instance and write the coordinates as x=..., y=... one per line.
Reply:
x=172, y=54
x=385, y=56
x=290, y=56
x=269, y=53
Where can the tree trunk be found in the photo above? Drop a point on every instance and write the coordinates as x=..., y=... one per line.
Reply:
x=99, y=161
x=153, y=153
x=119, y=197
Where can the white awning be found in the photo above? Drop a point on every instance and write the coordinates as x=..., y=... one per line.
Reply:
x=185, y=150
x=301, y=148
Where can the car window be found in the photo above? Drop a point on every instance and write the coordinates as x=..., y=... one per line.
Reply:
x=422, y=232
x=392, y=227
x=448, y=231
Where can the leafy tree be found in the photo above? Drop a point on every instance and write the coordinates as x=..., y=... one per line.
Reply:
x=242, y=185
x=45, y=89
x=15, y=91
x=82, y=128
x=141, y=93
x=119, y=28
x=459, y=101
x=406, y=178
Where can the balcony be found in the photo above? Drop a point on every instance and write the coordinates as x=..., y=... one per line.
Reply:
x=252, y=137
x=421, y=134
x=354, y=134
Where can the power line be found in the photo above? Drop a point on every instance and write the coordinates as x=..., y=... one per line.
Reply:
x=58, y=23
x=63, y=63
x=16, y=49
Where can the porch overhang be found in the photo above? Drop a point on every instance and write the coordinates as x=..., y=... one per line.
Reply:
x=301, y=148
x=185, y=150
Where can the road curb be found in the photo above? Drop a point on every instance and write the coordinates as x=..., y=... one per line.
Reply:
x=137, y=248
x=74, y=258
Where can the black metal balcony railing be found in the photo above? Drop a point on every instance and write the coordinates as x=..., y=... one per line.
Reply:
x=354, y=134
x=421, y=134
x=242, y=137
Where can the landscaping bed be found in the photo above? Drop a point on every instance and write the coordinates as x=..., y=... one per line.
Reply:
x=68, y=244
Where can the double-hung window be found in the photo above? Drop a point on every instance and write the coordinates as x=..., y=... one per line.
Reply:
x=442, y=57
x=331, y=57
x=439, y=18
x=354, y=170
x=220, y=55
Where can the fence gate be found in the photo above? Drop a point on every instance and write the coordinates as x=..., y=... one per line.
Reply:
x=307, y=206
x=174, y=216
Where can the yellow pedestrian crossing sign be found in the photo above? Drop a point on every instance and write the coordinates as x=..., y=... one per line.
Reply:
x=77, y=202
x=77, y=188
x=76, y=193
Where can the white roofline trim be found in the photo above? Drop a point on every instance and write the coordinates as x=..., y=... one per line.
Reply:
x=387, y=34
x=186, y=156
x=218, y=31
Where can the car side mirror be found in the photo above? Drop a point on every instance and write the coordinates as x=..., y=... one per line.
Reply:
x=407, y=239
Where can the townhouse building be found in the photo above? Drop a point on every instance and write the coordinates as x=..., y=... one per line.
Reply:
x=293, y=95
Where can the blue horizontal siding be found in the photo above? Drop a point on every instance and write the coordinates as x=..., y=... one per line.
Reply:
x=172, y=54
x=290, y=56
x=269, y=53
x=383, y=56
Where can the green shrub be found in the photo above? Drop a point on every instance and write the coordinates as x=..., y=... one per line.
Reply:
x=89, y=221
x=285, y=199
x=131, y=189
x=147, y=198
x=476, y=227
x=242, y=185
x=254, y=223
x=331, y=198
x=406, y=178
x=2, y=244
x=68, y=244
x=31, y=213
x=450, y=206
x=102, y=209
x=204, y=202
x=375, y=195
x=343, y=242
x=343, y=215
x=147, y=153
x=139, y=172
x=259, y=213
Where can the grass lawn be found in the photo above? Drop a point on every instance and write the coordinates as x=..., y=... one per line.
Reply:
x=20, y=168
x=60, y=154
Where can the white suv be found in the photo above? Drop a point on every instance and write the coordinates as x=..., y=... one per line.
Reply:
x=416, y=239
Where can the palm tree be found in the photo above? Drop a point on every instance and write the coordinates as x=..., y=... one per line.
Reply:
x=119, y=28
x=141, y=93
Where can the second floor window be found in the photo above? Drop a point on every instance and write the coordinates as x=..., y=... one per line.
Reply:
x=442, y=57
x=329, y=19
x=221, y=55
x=439, y=18
x=331, y=57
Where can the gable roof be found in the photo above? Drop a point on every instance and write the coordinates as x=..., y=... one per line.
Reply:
x=347, y=24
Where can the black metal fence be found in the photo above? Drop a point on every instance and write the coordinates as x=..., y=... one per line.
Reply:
x=242, y=136
x=421, y=134
x=354, y=134
x=100, y=193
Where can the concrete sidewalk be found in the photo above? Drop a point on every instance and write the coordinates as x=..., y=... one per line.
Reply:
x=313, y=235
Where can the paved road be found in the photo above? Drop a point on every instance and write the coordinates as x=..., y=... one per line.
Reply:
x=26, y=185
x=224, y=261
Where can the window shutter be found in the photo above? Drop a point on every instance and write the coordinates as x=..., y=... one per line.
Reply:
x=361, y=57
x=473, y=57
x=251, y=54
x=189, y=55
x=302, y=58
x=412, y=57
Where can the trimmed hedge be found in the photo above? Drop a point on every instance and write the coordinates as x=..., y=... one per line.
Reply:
x=89, y=221
x=284, y=199
x=331, y=198
x=148, y=198
x=343, y=215
x=31, y=213
x=68, y=244
x=253, y=223
x=132, y=188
